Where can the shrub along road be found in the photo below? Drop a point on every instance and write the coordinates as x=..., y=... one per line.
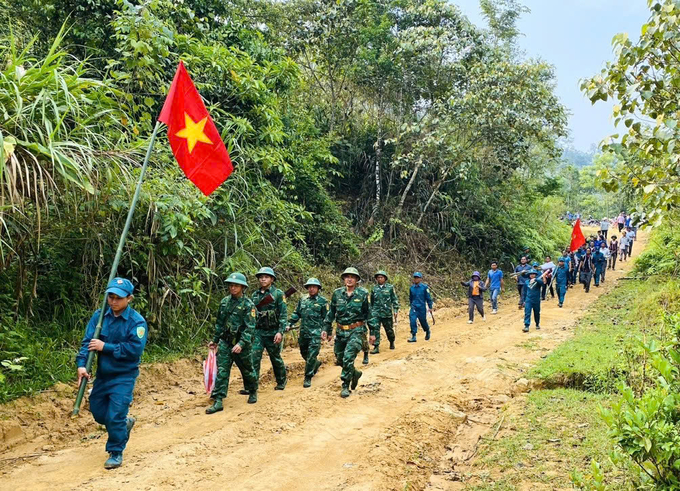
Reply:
x=418, y=413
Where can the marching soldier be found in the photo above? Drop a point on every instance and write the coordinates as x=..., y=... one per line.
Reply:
x=311, y=311
x=385, y=309
x=349, y=307
x=234, y=329
x=271, y=324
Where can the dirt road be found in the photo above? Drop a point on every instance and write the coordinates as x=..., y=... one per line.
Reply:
x=414, y=406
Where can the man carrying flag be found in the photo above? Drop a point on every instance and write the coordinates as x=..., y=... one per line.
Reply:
x=201, y=154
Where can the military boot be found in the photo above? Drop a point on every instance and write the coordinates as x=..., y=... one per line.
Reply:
x=344, y=392
x=282, y=385
x=391, y=344
x=217, y=406
x=307, y=383
x=427, y=336
x=355, y=378
x=365, y=362
x=413, y=339
x=244, y=392
x=252, y=398
x=376, y=350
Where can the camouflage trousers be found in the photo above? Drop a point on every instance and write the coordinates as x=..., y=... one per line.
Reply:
x=310, y=345
x=225, y=360
x=346, y=348
x=388, y=324
x=264, y=340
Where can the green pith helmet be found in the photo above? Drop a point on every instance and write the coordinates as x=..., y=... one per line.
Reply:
x=353, y=271
x=268, y=271
x=535, y=264
x=313, y=282
x=237, y=279
x=381, y=273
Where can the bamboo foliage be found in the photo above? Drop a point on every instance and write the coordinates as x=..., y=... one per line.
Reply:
x=59, y=128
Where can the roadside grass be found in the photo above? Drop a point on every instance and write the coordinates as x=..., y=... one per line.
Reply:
x=542, y=440
x=599, y=356
x=557, y=431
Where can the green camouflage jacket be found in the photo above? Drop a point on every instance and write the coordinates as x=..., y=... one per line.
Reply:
x=235, y=321
x=312, y=312
x=348, y=310
x=272, y=317
x=384, y=301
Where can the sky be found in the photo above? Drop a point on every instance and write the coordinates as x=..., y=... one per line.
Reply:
x=575, y=36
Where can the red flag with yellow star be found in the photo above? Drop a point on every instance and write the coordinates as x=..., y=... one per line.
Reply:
x=193, y=137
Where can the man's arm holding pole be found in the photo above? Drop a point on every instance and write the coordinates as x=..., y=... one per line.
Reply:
x=114, y=268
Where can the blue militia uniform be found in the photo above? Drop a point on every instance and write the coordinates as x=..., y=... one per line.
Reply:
x=561, y=281
x=533, y=302
x=118, y=366
x=420, y=299
x=600, y=263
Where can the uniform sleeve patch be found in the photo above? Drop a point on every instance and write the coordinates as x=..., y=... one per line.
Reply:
x=140, y=332
x=253, y=312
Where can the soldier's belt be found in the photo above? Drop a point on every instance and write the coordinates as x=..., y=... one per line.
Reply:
x=351, y=326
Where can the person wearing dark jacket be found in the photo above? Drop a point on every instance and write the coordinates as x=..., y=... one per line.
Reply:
x=476, y=289
x=585, y=269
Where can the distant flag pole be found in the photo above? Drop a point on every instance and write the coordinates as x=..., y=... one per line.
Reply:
x=577, y=237
x=201, y=154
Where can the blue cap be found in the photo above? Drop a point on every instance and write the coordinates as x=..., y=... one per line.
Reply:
x=120, y=287
x=417, y=274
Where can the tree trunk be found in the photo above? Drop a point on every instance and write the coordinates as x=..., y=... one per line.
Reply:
x=434, y=192
x=378, y=152
x=408, y=188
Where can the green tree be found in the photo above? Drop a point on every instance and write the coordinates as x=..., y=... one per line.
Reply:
x=645, y=81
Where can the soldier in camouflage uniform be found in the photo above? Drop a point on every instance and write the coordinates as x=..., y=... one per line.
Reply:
x=385, y=307
x=349, y=307
x=271, y=324
x=234, y=329
x=311, y=311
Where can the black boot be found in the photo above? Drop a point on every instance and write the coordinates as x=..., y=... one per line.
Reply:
x=355, y=378
x=376, y=350
x=391, y=344
x=365, y=362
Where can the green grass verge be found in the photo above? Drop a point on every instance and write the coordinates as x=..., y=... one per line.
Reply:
x=597, y=357
x=554, y=433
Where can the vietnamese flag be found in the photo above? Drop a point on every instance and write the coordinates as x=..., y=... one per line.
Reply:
x=193, y=137
x=577, y=237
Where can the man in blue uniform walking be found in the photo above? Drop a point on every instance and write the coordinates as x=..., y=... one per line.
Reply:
x=561, y=280
x=421, y=303
x=120, y=346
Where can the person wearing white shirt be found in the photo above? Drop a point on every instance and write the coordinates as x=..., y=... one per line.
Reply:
x=548, y=265
x=623, y=247
x=604, y=227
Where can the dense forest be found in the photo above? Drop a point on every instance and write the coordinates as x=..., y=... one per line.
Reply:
x=378, y=133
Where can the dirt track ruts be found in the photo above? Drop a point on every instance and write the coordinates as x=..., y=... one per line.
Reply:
x=414, y=406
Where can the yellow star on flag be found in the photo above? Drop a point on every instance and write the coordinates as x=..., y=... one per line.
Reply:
x=193, y=132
